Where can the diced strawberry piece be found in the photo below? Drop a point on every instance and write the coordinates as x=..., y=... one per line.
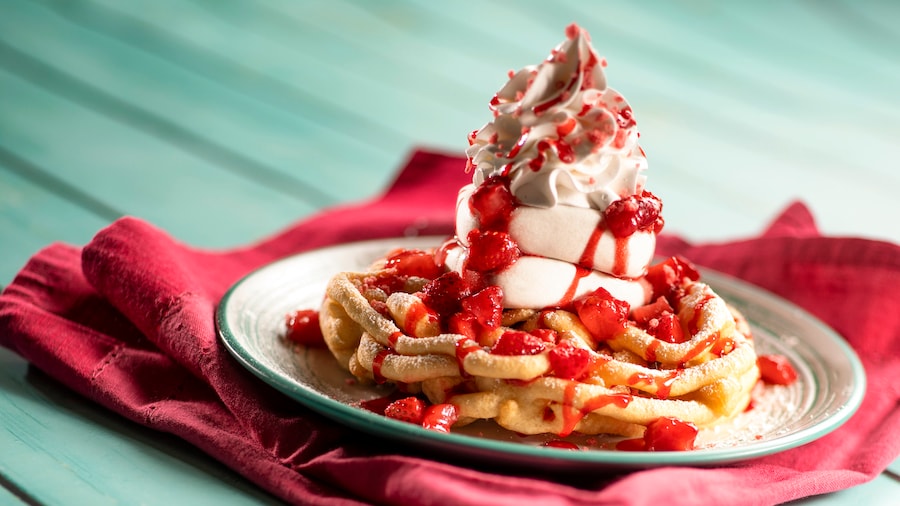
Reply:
x=302, y=327
x=670, y=274
x=486, y=306
x=516, y=342
x=440, y=417
x=381, y=307
x=602, y=314
x=776, y=369
x=669, y=434
x=491, y=251
x=635, y=212
x=408, y=409
x=631, y=445
x=413, y=262
x=647, y=312
x=444, y=293
x=562, y=443
x=464, y=324
x=666, y=327
x=546, y=335
x=568, y=361
x=595, y=366
x=377, y=405
x=492, y=204
x=475, y=281
x=387, y=282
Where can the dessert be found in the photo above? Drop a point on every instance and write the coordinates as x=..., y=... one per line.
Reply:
x=544, y=312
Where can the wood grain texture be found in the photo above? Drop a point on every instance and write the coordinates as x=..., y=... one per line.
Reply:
x=223, y=122
x=58, y=449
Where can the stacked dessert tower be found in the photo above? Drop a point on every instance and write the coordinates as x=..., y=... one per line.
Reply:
x=543, y=312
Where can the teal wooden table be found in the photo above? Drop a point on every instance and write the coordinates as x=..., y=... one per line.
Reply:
x=223, y=122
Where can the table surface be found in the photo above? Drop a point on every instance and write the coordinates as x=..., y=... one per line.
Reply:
x=223, y=122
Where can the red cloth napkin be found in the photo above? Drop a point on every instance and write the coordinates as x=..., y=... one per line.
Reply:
x=127, y=321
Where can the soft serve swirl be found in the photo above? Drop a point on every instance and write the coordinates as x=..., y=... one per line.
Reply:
x=560, y=134
x=557, y=207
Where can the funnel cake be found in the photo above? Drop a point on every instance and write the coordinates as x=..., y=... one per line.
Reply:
x=544, y=371
x=543, y=312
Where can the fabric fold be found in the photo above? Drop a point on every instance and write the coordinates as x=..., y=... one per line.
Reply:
x=128, y=321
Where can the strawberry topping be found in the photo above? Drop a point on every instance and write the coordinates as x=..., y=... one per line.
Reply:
x=659, y=320
x=568, y=361
x=516, y=342
x=444, y=293
x=491, y=251
x=408, y=409
x=602, y=314
x=440, y=417
x=413, y=262
x=670, y=434
x=635, y=212
x=668, y=276
x=486, y=306
x=662, y=435
x=302, y=327
x=645, y=313
x=492, y=204
x=776, y=369
x=667, y=328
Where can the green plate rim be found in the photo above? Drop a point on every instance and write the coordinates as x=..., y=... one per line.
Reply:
x=465, y=445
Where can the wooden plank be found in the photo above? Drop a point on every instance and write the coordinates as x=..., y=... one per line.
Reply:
x=35, y=210
x=704, y=70
x=180, y=96
x=733, y=123
x=248, y=90
x=12, y=496
x=711, y=113
x=188, y=196
x=332, y=63
x=59, y=449
x=260, y=142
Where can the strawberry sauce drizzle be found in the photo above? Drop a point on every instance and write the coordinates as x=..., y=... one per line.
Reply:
x=518, y=147
x=572, y=415
x=462, y=351
x=621, y=261
x=590, y=249
x=377, y=364
x=651, y=351
x=699, y=348
x=663, y=384
x=392, y=339
x=580, y=273
x=694, y=324
x=414, y=313
x=722, y=347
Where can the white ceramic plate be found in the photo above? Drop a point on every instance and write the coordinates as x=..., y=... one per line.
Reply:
x=830, y=387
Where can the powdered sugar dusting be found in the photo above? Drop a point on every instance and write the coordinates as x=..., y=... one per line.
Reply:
x=774, y=407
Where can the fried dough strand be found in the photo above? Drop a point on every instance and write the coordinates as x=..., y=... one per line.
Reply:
x=635, y=378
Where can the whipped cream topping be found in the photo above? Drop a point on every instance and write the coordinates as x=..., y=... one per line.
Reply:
x=571, y=234
x=556, y=174
x=560, y=134
x=539, y=282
